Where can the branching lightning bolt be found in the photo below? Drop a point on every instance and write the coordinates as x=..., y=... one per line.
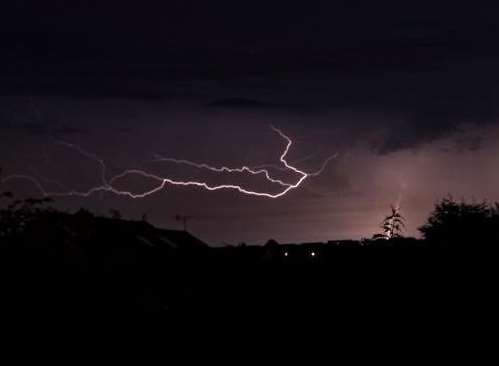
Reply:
x=109, y=185
x=223, y=169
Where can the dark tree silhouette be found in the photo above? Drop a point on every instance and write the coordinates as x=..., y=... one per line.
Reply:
x=4, y=194
x=392, y=225
x=17, y=217
x=465, y=224
x=271, y=243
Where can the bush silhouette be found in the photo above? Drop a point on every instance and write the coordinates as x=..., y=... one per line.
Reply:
x=462, y=224
x=18, y=217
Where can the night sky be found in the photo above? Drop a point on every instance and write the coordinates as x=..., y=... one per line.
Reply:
x=406, y=95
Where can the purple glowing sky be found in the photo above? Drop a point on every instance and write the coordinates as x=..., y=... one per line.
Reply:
x=348, y=200
x=405, y=95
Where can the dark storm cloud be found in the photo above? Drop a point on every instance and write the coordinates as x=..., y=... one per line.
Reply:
x=39, y=129
x=22, y=116
x=435, y=69
x=253, y=104
x=241, y=103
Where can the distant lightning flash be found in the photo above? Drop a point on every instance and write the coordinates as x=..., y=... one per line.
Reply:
x=223, y=169
x=162, y=182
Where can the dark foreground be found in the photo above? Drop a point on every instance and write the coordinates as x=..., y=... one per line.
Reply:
x=80, y=268
x=350, y=285
x=81, y=271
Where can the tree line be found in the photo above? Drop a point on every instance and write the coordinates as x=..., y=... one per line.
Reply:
x=451, y=223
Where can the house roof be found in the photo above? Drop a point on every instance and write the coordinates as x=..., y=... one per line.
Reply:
x=118, y=232
x=179, y=238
